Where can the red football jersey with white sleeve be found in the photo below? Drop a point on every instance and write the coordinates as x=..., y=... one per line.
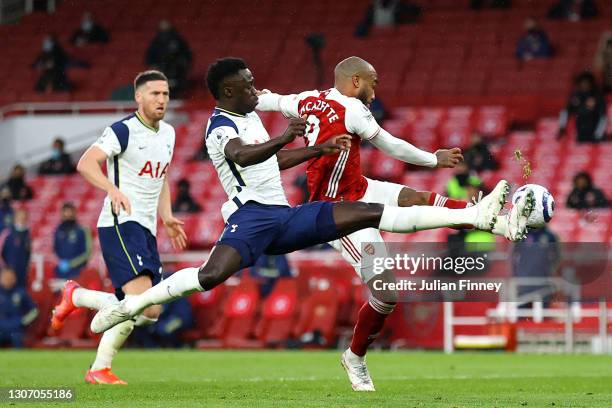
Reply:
x=329, y=113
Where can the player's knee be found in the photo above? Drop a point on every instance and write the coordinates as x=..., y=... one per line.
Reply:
x=210, y=276
x=384, y=307
x=409, y=197
x=151, y=313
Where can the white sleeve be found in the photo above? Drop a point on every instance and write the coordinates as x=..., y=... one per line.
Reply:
x=360, y=121
x=286, y=104
x=108, y=143
x=402, y=150
x=218, y=138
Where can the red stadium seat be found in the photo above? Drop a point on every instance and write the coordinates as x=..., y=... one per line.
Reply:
x=318, y=315
x=278, y=313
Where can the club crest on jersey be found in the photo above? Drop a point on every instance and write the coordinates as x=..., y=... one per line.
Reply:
x=154, y=172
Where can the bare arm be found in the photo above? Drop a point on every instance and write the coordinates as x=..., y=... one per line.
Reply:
x=90, y=167
x=247, y=155
x=292, y=157
x=174, y=226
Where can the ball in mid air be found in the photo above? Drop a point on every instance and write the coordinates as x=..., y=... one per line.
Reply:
x=544, y=204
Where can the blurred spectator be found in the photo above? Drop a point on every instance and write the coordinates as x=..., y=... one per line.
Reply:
x=170, y=53
x=17, y=247
x=585, y=195
x=378, y=111
x=60, y=162
x=478, y=157
x=184, y=201
x=537, y=256
x=17, y=310
x=588, y=104
x=89, y=32
x=301, y=182
x=6, y=209
x=72, y=244
x=17, y=185
x=386, y=13
x=268, y=269
x=603, y=61
x=534, y=43
x=457, y=186
x=316, y=42
x=480, y=4
x=573, y=10
x=52, y=63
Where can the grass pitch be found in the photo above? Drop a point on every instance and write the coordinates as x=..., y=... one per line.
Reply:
x=315, y=379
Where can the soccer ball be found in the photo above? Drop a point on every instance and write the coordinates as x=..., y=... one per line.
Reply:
x=544, y=206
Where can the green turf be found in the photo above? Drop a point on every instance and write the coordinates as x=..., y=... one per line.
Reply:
x=310, y=379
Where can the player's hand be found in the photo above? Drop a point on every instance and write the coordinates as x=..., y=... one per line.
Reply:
x=119, y=201
x=296, y=128
x=335, y=144
x=174, y=229
x=449, y=158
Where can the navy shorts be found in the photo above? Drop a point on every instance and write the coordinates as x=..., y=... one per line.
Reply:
x=256, y=229
x=129, y=250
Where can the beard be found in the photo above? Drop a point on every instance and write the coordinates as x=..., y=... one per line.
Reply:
x=363, y=97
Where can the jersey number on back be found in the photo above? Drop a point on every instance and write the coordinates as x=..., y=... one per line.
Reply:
x=312, y=130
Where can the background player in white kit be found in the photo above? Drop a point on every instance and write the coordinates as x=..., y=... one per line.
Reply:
x=137, y=151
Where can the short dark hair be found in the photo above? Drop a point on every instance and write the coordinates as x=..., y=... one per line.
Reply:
x=221, y=69
x=146, y=76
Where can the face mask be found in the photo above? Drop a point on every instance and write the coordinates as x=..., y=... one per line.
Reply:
x=87, y=25
x=47, y=45
x=56, y=154
x=20, y=228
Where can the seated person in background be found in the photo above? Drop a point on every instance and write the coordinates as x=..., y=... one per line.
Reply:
x=72, y=244
x=17, y=186
x=89, y=32
x=573, y=10
x=388, y=13
x=534, y=42
x=477, y=156
x=17, y=247
x=17, y=310
x=603, y=61
x=6, y=209
x=170, y=53
x=60, y=162
x=184, y=201
x=585, y=195
x=589, y=105
x=267, y=270
x=458, y=186
x=52, y=63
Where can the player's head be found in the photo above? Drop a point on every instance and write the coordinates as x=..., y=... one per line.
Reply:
x=230, y=82
x=356, y=77
x=152, y=94
x=68, y=212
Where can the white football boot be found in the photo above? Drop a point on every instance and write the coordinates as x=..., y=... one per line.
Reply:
x=357, y=372
x=109, y=316
x=514, y=224
x=489, y=206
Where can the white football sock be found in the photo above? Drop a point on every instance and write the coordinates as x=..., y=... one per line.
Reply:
x=92, y=299
x=180, y=284
x=354, y=358
x=110, y=343
x=418, y=218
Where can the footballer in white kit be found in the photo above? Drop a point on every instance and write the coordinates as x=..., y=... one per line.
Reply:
x=137, y=151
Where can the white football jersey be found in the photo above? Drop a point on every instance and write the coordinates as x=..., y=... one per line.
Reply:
x=259, y=182
x=138, y=160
